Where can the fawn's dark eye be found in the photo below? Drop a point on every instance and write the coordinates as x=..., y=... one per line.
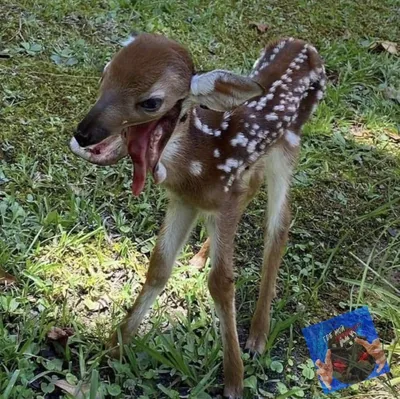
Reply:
x=151, y=104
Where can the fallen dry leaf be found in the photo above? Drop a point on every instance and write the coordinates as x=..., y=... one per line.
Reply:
x=6, y=278
x=390, y=47
x=77, y=391
x=262, y=28
x=60, y=335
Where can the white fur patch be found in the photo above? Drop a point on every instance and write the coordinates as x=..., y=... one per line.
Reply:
x=160, y=174
x=292, y=138
x=320, y=94
x=240, y=139
x=106, y=66
x=171, y=150
x=271, y=117
x=196, y=168
x=278, y=172
x=128, y=41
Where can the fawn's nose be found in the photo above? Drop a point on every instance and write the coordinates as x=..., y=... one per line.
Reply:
x=89, y=133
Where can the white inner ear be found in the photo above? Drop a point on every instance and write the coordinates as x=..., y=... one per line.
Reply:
x=106, y=66
x=238, y=89
x=128, y=41
x=204, y=84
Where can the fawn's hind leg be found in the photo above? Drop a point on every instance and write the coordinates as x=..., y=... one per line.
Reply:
x=279, y=167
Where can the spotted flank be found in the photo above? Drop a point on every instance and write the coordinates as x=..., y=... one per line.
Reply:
x=293, y=75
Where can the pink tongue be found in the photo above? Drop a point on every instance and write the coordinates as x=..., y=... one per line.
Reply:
x=138, y=142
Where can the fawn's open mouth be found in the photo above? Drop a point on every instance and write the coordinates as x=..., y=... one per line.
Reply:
x=144, y=143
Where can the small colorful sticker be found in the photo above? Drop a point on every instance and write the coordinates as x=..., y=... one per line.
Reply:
x=346, y=350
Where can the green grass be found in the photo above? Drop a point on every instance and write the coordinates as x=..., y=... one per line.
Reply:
x=78, y=242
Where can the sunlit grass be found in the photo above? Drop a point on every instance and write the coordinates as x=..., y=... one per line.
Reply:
x=79, y=243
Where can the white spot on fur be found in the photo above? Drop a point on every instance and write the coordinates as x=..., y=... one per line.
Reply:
x=217, y=153
x=271, y=117
x=223, y=167
x=313, y=76
x=292, y=138
x=232, y=163
x=252, y=146
x=196, y=168
x=279, y=108
x=172, y=149
x=240, y=139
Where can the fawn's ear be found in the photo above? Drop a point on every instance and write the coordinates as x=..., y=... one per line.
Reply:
x=132, y=36
x=223, y=90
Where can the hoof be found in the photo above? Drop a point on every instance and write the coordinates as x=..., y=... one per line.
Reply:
x=233, y=392
x=256, y=345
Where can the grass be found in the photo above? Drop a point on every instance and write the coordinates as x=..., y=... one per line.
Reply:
x=78, y=242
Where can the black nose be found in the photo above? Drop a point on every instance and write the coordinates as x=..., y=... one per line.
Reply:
x=82, y=138
x=88, y=136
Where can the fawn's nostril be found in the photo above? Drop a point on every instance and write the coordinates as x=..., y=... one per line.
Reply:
x=82, y=139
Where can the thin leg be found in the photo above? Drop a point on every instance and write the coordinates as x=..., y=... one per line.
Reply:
x=278, y=171
x=221, y=282
x=176, y=228
x=200, y=259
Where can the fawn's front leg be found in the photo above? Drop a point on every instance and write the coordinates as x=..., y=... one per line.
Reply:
x=221, y=283
x=177, y=226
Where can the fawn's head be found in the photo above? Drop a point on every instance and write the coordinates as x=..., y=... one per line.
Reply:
x=145, y=91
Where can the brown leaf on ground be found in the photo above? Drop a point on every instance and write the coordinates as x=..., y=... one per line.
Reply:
x=60, y=335
x=77, y=391
x=390, y=47
x=6, y=278
x=262, y=28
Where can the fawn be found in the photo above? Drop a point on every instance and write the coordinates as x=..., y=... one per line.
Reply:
x=211, y=139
